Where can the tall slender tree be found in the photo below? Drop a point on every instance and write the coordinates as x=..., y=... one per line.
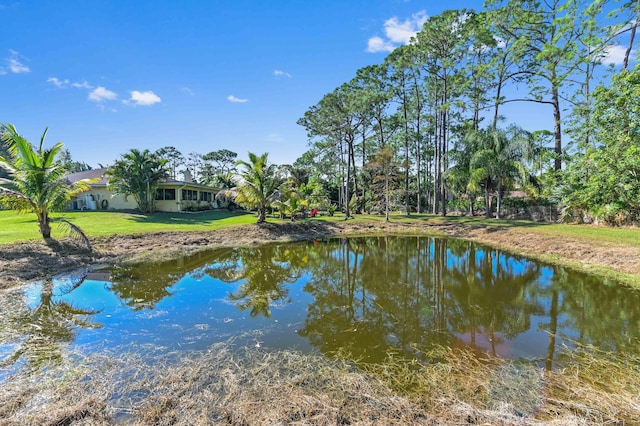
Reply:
x=545, y=36
x=442, y=44
x=174, y=158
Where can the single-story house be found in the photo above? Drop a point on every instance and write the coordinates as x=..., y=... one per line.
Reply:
x=172, y=195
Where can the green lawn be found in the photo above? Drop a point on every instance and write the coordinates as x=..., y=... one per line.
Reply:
x=18, y=227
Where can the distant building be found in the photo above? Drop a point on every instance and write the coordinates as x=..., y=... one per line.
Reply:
x=172, y=195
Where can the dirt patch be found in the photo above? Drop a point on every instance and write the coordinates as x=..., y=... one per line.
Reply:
x=32, y=260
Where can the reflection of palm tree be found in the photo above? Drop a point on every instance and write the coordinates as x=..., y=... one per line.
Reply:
x=263, y=271
x=45, y=328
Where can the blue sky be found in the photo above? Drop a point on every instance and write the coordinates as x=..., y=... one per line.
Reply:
x=108, y=76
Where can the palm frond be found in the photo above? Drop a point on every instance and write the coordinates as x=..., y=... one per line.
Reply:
x=75, y=231
x=16, y=199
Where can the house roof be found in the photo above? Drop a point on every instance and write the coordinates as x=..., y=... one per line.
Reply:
x=90, y=174
x=104, y=180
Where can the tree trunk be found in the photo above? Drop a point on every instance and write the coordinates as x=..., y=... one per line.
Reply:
x=346, y=186
x=499, y=201
x=262, y=214
x=406, y=149
x=418, y=144
x=386, y=196
x=487, y=202
x=444, y=132
x=557, y=127
x=45, y=226
x=436, y=162
x=631, y=39
x=498, y=98
x=352, y=154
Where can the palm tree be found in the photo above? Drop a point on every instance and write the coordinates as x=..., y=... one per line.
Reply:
x=138, y=173
x=500, y=161
x=257, y=186
x=37, y=180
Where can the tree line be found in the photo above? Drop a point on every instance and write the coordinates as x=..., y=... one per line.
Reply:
x=428, y=120
x=422, y=131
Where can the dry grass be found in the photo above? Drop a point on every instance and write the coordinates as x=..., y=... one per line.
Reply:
x=247, y=386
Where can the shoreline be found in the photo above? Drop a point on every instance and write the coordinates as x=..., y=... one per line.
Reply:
x=32, y=260
x=233, y=384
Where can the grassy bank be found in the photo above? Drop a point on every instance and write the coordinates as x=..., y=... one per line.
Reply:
x=16, y=227
x=613, y=253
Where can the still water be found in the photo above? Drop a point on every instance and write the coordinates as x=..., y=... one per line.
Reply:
x=366, y=297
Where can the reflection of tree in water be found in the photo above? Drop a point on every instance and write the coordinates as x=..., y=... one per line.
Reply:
x=338, y=318
x=379, y=295
x=373, y=296
x=143, y=286
x=604, y=314
x=264, y=274
x=490, y=292
x=41, y=332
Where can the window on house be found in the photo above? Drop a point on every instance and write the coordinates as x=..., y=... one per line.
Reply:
x=205, y=196
x=165, y=194
x=189, y=195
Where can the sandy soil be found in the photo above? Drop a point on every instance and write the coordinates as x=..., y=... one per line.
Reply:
x=27, y=261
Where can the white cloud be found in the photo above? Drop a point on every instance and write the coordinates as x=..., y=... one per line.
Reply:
x=188, y=91
x=377, y=44
x=17, y=67
x=100, y=94
x=280, y=73
x=83, y=85
x=397, y=32
x=63, y=84
x=13, y=64
x=57, y=82
x=614, y=55
x=233, y=99
x=143, y=98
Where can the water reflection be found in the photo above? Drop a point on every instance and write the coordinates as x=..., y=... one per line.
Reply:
x=372, y=296
x=143, y=286
x=264, y=274
x=38, y=328
x=366, y=297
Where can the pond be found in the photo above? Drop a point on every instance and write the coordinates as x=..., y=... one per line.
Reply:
x=365, y=297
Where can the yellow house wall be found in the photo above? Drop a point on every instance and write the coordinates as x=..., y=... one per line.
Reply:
x=167, y=206
x=115, y=202
x=118, y=202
